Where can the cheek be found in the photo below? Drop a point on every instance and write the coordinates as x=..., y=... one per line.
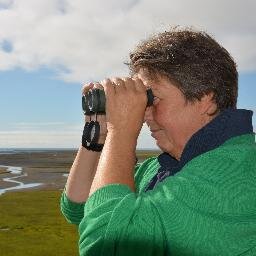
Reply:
x=169, y=121
x=160, y=116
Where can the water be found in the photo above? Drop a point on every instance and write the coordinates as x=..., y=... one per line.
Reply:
x=21, y=185
x=8, y=151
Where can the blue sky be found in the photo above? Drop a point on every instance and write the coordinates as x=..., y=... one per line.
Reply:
x=49, y=48
x=38, y=103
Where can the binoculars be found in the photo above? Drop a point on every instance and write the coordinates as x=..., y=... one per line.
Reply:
x=94, y=101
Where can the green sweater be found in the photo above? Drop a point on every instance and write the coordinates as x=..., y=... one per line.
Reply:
x=207, y=208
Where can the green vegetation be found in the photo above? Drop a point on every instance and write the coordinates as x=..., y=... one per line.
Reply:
x=144, y=154
x=31, y=224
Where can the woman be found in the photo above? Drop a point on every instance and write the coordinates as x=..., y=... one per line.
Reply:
x=198, y=196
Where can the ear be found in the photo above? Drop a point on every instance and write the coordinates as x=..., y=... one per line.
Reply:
x=207, y=104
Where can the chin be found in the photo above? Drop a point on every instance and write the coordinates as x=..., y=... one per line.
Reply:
x=167, y=148
x=161, y=146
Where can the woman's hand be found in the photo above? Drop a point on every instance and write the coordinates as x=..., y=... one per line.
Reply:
x=126, y=101
x=100, y=118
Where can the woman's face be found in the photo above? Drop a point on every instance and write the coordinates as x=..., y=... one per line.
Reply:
x=172, y=120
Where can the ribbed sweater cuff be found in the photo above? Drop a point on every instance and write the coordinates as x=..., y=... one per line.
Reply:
x=110, y=191
x=72, y=211
x=69, y=203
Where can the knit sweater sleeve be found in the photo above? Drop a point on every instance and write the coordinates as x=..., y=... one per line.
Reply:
x=74, y=212
x=118, y=221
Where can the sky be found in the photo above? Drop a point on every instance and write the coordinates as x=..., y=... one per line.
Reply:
x=49, y=48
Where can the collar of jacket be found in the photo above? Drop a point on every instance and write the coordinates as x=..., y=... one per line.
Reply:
x=229, y=123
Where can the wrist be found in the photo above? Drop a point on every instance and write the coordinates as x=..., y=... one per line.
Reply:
x=122, y=138
x=123, y=134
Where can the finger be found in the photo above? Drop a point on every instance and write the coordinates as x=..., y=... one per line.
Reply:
x=101, y=118
x=108, y=87
x=141, y=88
x=86, y=88
x=139, y=85
x=130, y=84
x=87, y=118
x=118, y=83
x=98, y=85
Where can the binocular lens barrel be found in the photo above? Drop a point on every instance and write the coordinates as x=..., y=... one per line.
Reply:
x=94, y=101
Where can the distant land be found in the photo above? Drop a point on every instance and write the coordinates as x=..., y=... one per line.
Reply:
x=25, y=169
x=19, y=150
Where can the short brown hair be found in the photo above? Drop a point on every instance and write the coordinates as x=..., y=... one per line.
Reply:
x=193, y=61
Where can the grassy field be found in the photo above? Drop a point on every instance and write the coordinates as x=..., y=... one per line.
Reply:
x=31, y=224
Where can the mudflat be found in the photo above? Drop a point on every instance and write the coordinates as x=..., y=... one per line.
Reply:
x=48, y=168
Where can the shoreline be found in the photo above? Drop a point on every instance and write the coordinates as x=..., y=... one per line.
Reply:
x=37, y=170
x=16, y=170
x=49, y=168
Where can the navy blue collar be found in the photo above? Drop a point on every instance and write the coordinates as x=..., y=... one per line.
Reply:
x=229, y=123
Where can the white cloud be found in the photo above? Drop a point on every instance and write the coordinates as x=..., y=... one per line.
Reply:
x=45, y=126
x=17, y=127
x=5, y=4
x=89, y=40
x=37, y=139
x=22, y=124
x=66, y=137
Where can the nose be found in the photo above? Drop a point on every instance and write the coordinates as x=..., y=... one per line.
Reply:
x=148, y=116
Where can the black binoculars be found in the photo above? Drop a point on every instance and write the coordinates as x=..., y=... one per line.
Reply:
x=94, y=101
